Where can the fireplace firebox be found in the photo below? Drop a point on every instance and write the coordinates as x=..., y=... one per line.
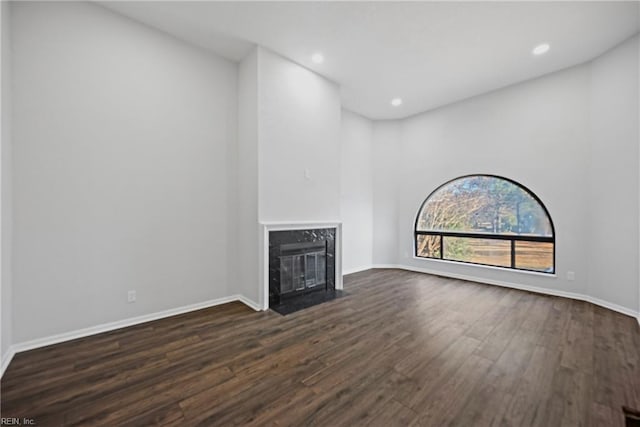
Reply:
x=302, y=266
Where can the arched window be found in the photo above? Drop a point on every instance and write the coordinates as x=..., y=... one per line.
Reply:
x=488, y=220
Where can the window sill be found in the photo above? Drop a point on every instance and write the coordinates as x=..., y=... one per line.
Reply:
x=490, y=267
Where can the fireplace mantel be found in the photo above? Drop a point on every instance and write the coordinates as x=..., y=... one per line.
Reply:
x=295, y=225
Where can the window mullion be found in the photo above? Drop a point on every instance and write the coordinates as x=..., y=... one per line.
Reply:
x=513, y=254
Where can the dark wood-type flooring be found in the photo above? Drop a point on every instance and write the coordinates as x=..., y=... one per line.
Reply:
x=402, y=348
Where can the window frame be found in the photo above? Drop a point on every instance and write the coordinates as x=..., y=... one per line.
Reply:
x=513, y=238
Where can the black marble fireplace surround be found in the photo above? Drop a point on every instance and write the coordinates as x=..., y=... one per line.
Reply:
x=312, y=279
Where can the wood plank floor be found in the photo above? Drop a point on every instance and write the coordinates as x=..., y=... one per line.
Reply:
x=403, y=349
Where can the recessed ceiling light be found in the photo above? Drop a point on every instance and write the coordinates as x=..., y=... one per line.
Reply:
x=540, y=49
x=318, y=58
x=396, y=102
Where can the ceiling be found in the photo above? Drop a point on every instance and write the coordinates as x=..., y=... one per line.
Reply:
x=427, y=53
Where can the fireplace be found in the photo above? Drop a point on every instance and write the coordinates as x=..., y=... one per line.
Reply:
x=301, y=262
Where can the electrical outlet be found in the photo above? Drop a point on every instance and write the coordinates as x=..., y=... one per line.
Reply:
x=571, y=276
x=131, y=296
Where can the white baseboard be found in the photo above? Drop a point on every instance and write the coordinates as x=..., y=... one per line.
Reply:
x=356, y=269
x=609, y=305
x=396, y=266
x=249, y=303
x=6, y=359
x=106, y=327
x=546, y=291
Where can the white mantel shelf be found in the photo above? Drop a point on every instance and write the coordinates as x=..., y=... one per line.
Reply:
x=299, y=225
x=268, y=226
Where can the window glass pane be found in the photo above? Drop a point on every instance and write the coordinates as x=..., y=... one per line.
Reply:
x=428, y=246
x=310, y=270
x=286, y=274
x=484, y=204
x=481, y=251
x=298, y=272
x=534, y=256
x=322, y=268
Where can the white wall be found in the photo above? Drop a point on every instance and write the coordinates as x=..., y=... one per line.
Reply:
x=299, y=129
x=571, y=137
x=535, y=133
x=386, y=139
x=6, y=209
x=122, y=138
x=248, y=278
x=356, y=196
x=613, y=177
